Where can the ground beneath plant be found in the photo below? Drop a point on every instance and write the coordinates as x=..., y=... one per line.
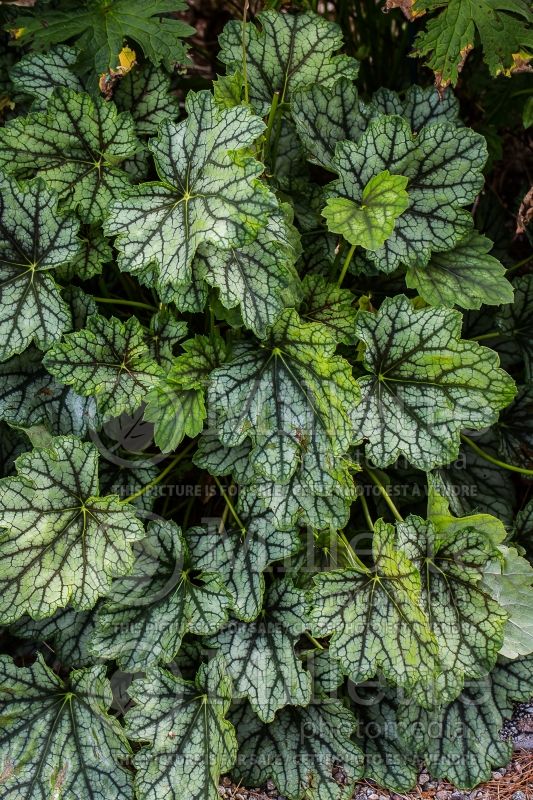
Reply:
x=512, y=783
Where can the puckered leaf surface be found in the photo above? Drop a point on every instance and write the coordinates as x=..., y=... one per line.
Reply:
x=207, y=192
x=150, y=610
x=108, y=360
x=57, y=739
x=29, y=396
x=501, y=25
x=467, y=623
x=68, y=633
x=190, y=741
x=461, y=742
x=38, y=74
x=376, y=617
x=61, y=542
x=77, y=146
x=291, y=395
x=335, y=308
x=299, y=750
x=466, y=276
x=259, y=277
x=94, y=253
x=444, y=174
x=241, y=557
x=327, y=115
x=34, y=240
x=100, y=29
x=420, y=106
x=145, y=93
x=288, y=52
x=426, y=384
x=260, y=656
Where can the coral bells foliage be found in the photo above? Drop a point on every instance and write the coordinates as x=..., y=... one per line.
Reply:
x=265, y=409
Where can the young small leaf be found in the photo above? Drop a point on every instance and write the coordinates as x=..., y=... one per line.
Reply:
x=444, y=172
x=370, y=223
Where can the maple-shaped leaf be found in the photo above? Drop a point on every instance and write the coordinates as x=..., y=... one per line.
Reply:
x=467, y=623
x=288, y=52
x=57, y=737
x=260, y=655
x=176, y=404
x=461, y=742
x=241, y=556
x=370, y=222
x=508, y=578
x=376, y=617
x=426, y=384
x=77, y=146
x=327, y=115
x=145, y=93
x=302, y=751
x=465, y=276
x=444, y=173
x=209, y=191
x=259, y=277
x=34, y=240
x=108, y=360
x=61, y=542
x=99, y=29
x=67, y=632
x=502, y=26
x=335, y=308
x=30, y=396
x=190, y=743
x=148, y=611
x=290, y=393
x=38, y=74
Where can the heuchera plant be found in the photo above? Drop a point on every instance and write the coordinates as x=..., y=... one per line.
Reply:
x=263, y=389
